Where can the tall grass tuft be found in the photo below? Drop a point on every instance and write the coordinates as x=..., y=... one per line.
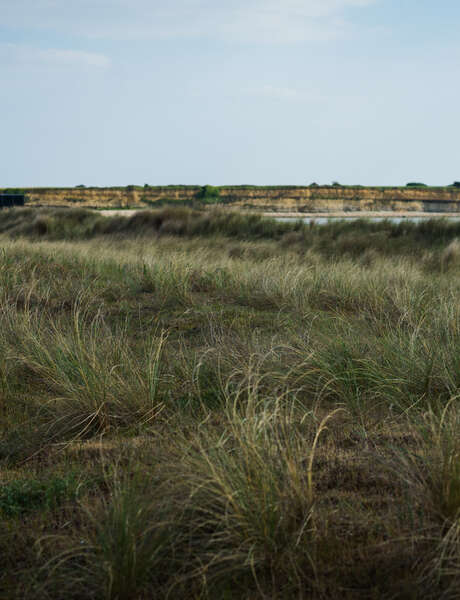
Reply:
x=124, y=548
x=251, y=494
x=129, y=543
x=94, y=381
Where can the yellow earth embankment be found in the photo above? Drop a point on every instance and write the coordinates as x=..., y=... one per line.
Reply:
x=321, y=199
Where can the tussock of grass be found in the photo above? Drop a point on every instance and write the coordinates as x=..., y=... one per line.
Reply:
x=433, y=466
x=94, y=382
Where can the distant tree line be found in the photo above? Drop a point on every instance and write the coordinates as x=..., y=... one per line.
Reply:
x=211, y=193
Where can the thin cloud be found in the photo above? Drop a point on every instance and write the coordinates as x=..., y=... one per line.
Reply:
x=16, y=54
x=75, y=57
x=233, y=20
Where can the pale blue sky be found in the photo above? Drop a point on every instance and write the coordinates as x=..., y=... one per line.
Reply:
x=117, y=92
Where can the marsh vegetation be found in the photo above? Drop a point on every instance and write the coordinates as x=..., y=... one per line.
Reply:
x=213, y=405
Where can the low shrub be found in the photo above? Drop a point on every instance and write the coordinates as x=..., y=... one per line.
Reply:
x=208, y=194
x=22, y=496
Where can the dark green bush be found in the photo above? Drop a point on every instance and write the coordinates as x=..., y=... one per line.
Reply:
x=208, y=194
x=19, y=191
x=19, y=497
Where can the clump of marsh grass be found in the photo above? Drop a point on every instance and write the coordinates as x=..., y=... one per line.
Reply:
x=124, y=549
x=93, y=380
x=444, y=570
x=251, y=491
x=431, y=472
x=450, y=257
x=442, y=461
x=130, y=538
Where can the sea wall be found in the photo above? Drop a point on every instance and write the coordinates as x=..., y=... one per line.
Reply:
x=277, y=199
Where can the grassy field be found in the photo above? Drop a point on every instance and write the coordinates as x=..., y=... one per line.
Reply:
x=216, y=406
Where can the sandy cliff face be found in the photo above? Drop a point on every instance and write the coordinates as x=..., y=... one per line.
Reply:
x=325, y=199
x=282, y=199
x=105, y=197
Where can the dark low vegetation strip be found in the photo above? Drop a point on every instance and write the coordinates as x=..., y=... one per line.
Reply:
x=58, y=224
x=336, y=238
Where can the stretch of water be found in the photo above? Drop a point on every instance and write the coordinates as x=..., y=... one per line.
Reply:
x=325, y=220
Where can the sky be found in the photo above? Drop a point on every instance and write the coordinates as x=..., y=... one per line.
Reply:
x=221, y=92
